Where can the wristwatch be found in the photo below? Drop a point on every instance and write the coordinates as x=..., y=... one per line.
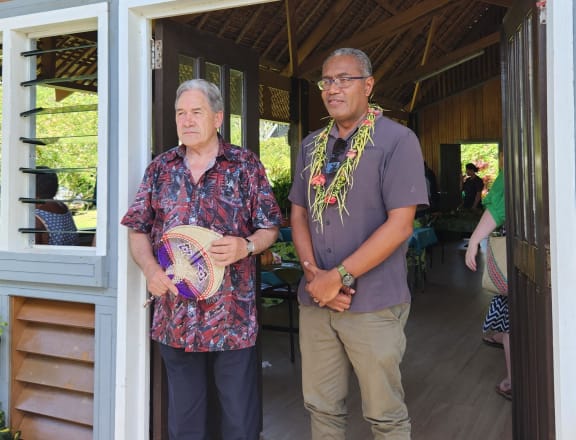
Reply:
x=249, y=247
x=347, y=278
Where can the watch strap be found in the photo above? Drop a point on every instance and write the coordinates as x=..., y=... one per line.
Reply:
x=249, y=246
x=342, y=270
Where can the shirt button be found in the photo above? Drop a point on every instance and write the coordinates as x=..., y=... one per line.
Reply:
x=329, y=250
x=327, y=222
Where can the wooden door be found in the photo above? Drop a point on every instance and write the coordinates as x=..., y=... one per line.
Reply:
x=450, y=177
x=189, y=54
x=524, y=122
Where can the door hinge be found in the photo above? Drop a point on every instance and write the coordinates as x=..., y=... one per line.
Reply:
x=156, y=49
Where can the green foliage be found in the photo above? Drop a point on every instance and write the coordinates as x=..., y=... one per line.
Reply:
x=281, y=187
x=7, y=433
x=2, y=325
x=275, y=155
x=76, y=142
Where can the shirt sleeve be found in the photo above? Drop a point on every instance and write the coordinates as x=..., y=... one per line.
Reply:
x=403, y=180
x=298, y=192
x=494, y=201
x=266, y=213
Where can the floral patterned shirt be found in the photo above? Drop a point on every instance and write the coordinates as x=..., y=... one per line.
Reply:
x=233, y=197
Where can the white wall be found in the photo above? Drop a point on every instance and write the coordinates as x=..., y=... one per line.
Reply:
x=562, y=180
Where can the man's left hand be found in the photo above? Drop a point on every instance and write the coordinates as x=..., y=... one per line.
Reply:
x=228, y=250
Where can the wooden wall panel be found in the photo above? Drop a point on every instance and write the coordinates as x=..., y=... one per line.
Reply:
x=52, y=370
x=472, y=116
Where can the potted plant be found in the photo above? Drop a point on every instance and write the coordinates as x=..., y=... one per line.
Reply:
x=7, y=433
x=281, y=185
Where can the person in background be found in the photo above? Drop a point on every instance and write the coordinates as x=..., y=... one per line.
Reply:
x=207, y=182
x=357, y=184
x=52, y=216
x=472, y=186
x=496, y=326
x=432, y=185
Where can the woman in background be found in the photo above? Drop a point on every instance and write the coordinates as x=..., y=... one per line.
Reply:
x=52, y=216
x=496, y=326
x=472, y=186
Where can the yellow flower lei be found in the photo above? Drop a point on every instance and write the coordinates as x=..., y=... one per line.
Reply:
x=336, y=192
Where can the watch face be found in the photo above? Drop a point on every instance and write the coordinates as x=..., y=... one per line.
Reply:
x=348, y=280
x=250, y=246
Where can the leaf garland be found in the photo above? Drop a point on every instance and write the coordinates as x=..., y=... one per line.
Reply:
x=336, y=192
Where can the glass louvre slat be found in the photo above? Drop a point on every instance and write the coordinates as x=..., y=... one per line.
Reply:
x=54, y=110
x=53, y=140
x=31, y=53
x=55, y=170
x=33, y=200
x=34, y=82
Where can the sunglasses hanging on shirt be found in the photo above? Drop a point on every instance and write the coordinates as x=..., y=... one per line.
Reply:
x=335, y=161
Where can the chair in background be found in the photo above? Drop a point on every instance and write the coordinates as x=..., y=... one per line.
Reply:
x=282, y=283
x=418, y=246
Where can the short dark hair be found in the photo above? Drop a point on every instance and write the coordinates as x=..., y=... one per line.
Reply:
x=46, y=183
x=471, y=166
x=361, y=57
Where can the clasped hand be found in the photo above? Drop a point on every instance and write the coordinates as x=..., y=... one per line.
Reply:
x=326, y=289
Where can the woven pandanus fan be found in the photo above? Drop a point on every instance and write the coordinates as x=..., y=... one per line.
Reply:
x=183, y=255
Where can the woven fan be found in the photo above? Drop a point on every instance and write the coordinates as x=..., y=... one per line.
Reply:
x=183, y=255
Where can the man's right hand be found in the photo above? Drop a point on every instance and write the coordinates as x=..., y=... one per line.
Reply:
x=158, y=282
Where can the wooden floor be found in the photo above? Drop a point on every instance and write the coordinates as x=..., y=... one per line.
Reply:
x=448, y=374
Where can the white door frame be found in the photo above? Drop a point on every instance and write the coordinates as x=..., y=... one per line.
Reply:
x=562, y=194
x=134, y=134
x=132, y=400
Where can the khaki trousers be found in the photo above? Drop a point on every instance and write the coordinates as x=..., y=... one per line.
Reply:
x=372, y=345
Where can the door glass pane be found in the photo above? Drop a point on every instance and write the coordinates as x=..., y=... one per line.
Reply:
x=236, y=106
x=186, y=68
x=213, y=74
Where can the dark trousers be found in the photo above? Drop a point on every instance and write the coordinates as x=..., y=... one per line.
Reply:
x=235, y=374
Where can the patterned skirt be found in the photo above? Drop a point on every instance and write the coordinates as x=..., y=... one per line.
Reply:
x=497, y=316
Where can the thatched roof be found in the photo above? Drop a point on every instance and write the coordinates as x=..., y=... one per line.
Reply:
x=449, y=45
x=407, y=40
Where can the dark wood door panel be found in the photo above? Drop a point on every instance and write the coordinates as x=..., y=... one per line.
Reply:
x=524, y=121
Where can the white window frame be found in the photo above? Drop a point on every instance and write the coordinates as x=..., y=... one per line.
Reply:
x=17, y=35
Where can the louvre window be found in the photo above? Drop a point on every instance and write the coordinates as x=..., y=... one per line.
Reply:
x=62, y=137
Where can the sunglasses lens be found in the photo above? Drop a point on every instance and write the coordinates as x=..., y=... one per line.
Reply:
x=334, y=162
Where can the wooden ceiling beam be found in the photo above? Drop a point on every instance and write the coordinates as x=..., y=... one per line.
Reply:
x=441, y=63
x=384, y=4
x=248, y=26
x=388, y=104
x=503, y=3
x=322, y=28
x=380, y=30
x=431, y=33
x=399, y=49
x=292, y=44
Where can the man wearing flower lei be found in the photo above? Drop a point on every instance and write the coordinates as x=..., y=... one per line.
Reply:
x=358, y=182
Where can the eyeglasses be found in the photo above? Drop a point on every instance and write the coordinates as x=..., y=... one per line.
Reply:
x=334, y=162
x=342, y=82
